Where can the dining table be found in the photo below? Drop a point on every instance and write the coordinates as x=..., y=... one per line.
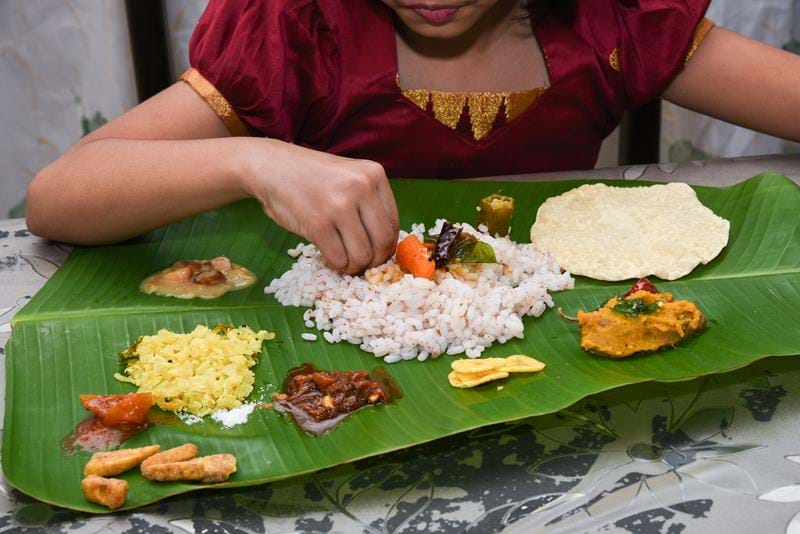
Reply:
x=719, y=453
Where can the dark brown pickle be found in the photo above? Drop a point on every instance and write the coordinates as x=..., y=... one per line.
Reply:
x=318, y=400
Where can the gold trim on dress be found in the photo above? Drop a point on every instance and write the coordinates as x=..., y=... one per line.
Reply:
x=420, y=97
x=482, y=108
x=517, y=102
x=218, y=103
x=700, y=33
x=448, y=107
x=613, y=60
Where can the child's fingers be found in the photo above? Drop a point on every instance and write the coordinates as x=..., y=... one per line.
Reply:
x=390, y=205
x=331, y=247
x=381, y=235
x=356, y=242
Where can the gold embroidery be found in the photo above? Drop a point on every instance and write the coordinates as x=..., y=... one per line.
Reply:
x=517, y=102
x=448, y=107
x=483, y=110
x=700, y=33
x=613, y=60
x=218, y=103
x=418, y=96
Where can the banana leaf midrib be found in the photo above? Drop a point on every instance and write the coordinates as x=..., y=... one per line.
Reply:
x=270, y=304
x=128, y=312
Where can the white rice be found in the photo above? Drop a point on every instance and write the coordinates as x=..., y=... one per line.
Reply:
x=309, y=336
x=415, y=318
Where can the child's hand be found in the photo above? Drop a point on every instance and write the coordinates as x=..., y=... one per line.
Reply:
x=344, y=206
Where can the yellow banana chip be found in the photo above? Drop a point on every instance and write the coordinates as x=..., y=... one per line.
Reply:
x=520, y=363
x=469, y=365
x=469, y=373
x=469, y=380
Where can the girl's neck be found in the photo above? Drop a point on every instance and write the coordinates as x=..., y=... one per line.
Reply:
x=500, y=53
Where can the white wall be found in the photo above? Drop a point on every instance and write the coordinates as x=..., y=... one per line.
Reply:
x=687, y=135
x=64, y=65
x=182, y=16
x=61, y=62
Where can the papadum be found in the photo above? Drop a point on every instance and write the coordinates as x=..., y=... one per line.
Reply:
x=617, y=233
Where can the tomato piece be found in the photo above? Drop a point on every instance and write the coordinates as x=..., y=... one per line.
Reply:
x=115, y=410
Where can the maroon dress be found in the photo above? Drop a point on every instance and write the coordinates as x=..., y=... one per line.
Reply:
x=323, y=74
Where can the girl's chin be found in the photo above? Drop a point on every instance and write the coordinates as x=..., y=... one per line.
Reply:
x=435, y=30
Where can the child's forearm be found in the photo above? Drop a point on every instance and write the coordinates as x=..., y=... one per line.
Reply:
x=113, y=189
x=742, y=81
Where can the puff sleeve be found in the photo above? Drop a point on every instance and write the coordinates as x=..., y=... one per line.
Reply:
x=259, y=65
x=655, y=40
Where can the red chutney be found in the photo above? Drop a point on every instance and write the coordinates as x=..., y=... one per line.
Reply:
x=91, y=435
x=114, y=410
x=115, y=419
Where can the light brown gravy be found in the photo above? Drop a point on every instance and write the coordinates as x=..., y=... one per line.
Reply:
x=164, y=282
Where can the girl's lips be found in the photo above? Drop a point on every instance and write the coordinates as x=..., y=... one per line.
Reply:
x=436, y=15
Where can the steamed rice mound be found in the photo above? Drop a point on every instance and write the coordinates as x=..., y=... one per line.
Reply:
x=199, y=372
x=396, y=316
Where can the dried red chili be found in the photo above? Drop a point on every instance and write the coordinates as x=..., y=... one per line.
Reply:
x=642, y=284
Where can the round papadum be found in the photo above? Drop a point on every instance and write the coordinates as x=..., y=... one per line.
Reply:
x=617, y=233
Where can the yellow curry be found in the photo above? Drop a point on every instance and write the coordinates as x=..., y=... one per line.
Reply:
x=643, y=320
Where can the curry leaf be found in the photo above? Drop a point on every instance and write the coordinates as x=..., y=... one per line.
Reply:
x=636, y=307
x=469, y=250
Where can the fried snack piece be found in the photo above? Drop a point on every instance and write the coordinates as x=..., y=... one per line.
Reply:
x=469, y=373
x=641, y=322
x=214, y=468
x=109, y=492
x=176, y=454
x=115, y=462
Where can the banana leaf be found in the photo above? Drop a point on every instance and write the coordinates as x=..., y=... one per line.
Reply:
x=66, y=340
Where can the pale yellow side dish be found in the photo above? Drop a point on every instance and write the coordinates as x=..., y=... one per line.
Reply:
x=205, y=279
x=199, y=372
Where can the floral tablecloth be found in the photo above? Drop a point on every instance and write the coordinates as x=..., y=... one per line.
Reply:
x=720, y=453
